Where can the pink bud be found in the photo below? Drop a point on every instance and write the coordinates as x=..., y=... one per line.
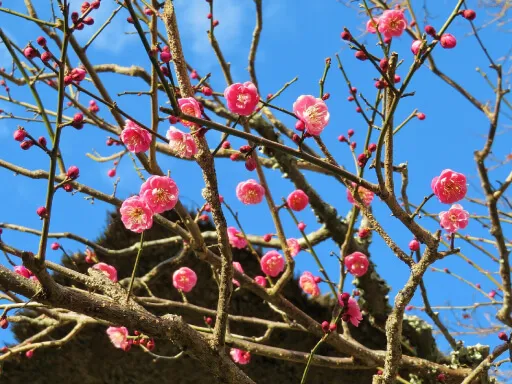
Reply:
x=502, y=336
x=345, y=35
x=165, y=56
x=448, y=41
x=27, y=144
x=420, y=116
x=397, y=79
x=55, y=246
x=41, y=211
x=350, y=132
x=267, y=237
x=42, y=141
x=73, y=172
x=415, y=47
x=68, y=187
x=215, y=23
x=299, y=125
x=353, y=145
x=41, y=41
x=492, y=294
x=95, y=4
x=226, y=145
x=430, y=30
x=250, y=164
x=414, y=245
x=372, y=147
x=359, y=110
x=325, y=326
x=260, y=280
x=332, y=327
x=326, y=96
x=469, y=14
x=361, y=55
x=111, y=172
x=441, y=377
x=29, y=52
x=207, y=91
x=363, y=232
x=29, y=354
x=4, y=323
x=194, y=75
x=342, y=139
x=384, y=64
x=301, y=226
x=20, y=134
x=350, y=98
x=148, y=11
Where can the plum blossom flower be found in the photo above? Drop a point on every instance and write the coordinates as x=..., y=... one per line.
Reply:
x=297, y=200
x=392, y=23
x=135, y=138
x=136, y=215
x=293, y=246
x=308, y=284
x=250, y=192
x=352, y=314
x=238, y=267
x=357, y=263
x=22, y=271
x=454, y=219
x=182, y=144
x=160, y=193
x=449, y=187
x=272, y=263
x=119, y=337
x=184, y=279
x=239, y=356
x=236, y=238
x=365, y=195
x=242, y=98
x=190, y=106
x=313, y=112
x=108, y=270
x=260, y=280
x=372, y=24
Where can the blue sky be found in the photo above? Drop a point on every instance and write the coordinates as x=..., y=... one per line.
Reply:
x=296, y=39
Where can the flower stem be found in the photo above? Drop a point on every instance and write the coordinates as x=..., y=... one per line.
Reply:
x=135, y=267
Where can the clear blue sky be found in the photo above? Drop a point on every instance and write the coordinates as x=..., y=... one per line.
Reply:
x=296, y=39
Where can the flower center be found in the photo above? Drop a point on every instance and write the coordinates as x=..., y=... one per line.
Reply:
x=243, y=99
x=313, y=114
x=162, y=196
x=137, y=215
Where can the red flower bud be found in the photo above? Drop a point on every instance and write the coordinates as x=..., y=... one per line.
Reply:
x=20, y=134
x=73, y=172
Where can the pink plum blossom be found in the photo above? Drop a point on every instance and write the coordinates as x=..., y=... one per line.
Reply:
x=236, y=239
x=272, y=263
x=392, y=23
x=239, y=356
x=135, y=138
x=160, y=193
x=238, y=267
x=308, y=284
x=293, y=246
x=250, y=192
x=450, y=186
x=182, y=144
x=352, y=314
x=190, y=106
x=261, y=280
x=184, y=279
x=136, y=215
x=22, y=271
x=454, y=219
x=365, y=195
x=242, y=98
x=372, y=24
x=357, y=263
x=119, y=337
x=108, y=270
x=297, y=200
x=313, y=112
